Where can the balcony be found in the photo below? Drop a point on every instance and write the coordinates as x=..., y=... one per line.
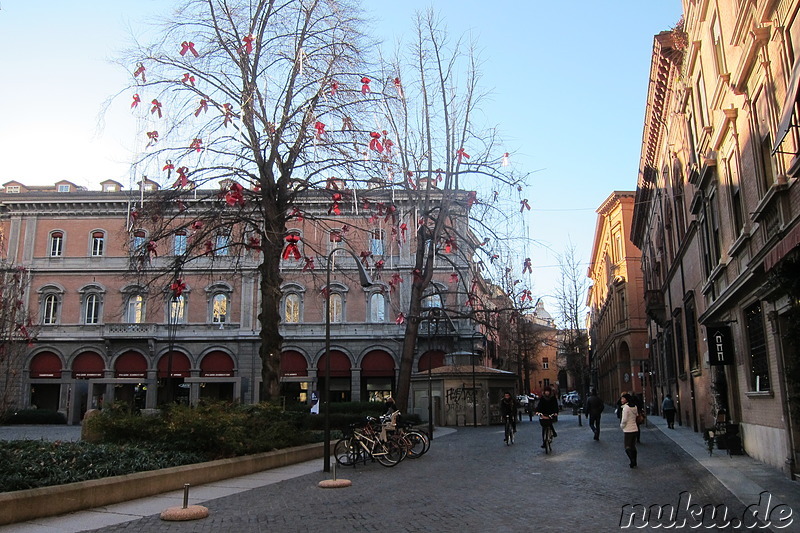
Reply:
x=655, y=307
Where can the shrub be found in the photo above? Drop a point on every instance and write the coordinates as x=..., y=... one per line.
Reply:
x=36, y=416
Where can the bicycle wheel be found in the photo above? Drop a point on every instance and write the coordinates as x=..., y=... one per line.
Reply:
x=426, y=441
x=347, y=451
x=509, y=435
x=393, y=454
x=548, y=440
x=417, y=445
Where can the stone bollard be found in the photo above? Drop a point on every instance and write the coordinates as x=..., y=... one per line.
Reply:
x=87, y=434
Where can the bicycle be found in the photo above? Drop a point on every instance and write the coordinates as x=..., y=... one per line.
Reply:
x=366, y=442
x=547, y=437
x=509, y=431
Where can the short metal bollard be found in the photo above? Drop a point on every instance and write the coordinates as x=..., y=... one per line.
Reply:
x=185, y=495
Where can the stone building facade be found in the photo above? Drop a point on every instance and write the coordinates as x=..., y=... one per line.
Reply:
x=716, y=218
x=107, y=336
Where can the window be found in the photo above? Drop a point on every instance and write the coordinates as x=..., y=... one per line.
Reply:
x=56, y=244
x=732, y=176
x=677, y=198
x=691, y=332
x=291, y=308
x=433, y=299
x=179, y=243
x=701, y=100
x=50, y=310
x=336, y=308
x=139, y=237
x=545, y=363
x=63, y=188
x=759, y=366
x=546, y=383
x=719, y=50
x=177, y=310
x=98, y=243
x=222, y=242
x=376, y=242
x=12, y=189
x=334, y=238
x=134, y=313
x=219, y=308
x=680, y=353
x=91, y=313
x=377, y=308
x=764, y=140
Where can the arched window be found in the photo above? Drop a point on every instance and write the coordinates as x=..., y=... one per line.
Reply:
x=91, y=311
x=177, y=310
x=98, y=244
x=377, y=308
x=50, y=309
x=291, y=308
x=56, y=244
x=219, y=308
x=336, y=306
x=179, y=242
x=221, y=245
x=139, y=237
x=433, y=300
x=376, y=242
x=134, y=309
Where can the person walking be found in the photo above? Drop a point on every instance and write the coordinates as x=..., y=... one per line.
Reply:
x=594, y=407
x=668, y=407
x=629, y=427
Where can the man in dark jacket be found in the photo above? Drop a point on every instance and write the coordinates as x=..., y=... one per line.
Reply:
x=508, y=407
x=594, y=407
x=548, y=406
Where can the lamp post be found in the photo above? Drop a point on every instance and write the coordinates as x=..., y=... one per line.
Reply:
x=365, y=281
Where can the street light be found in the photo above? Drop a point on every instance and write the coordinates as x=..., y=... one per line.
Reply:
x=365, y=281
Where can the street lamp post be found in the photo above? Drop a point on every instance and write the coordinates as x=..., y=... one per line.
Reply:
x=365, y=281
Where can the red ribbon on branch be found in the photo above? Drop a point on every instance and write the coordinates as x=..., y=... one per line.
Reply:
x=227, y=113
x=450, y=245
x=197, y=145
x=188, y=78
x=136, y=101
x=140, y=72
x=156, y=107
x=504, y=162
x=153, y=136
x=417, y=273
x=399, y=87
x=472, y=199
x=334, y=208
x=296, y=213
x=247, y=45
x=524, y=205
x=401, y=319
x=403, y=229
x=320, y=127
x=203, y=107
x=309, y=264
x=254, y=243
x=526, y=295
x=188, y=47
x=527, y=266
x=169, y=167
x=395, y=281
x=375, y=143
x=197, y=224
x=454, y=277
x=365, y=85
x=380, y=264
x=291, y=247
x=391, y=213
x=151, y=248
x=461, y=153
x=183, y=178
x=347, y=124
x=334, y=88
x=177, y=287
x=235, y=195
x=365, y=255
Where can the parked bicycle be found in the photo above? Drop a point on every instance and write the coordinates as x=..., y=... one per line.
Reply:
x=363, y=442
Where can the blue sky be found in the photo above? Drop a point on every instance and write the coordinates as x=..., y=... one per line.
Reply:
x=568, y=80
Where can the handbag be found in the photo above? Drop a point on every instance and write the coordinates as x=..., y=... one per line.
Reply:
x=639, y=418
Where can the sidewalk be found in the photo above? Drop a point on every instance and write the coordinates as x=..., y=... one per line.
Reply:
x=745, y=477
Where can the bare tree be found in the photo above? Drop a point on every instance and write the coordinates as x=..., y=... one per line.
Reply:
x=571, y=298
x=17, y=331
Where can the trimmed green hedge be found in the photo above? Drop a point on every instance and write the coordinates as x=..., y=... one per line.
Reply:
x=35, y=416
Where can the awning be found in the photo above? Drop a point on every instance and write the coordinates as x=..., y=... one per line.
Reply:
x=340, y=365
x=377, y=363
x=131, y=365
x=46, y=365
x=88, y=365
x=216, y=364
x=788, y=107
x=430, y=360
x=179, y=368
x=783, y=247
x=293, y=364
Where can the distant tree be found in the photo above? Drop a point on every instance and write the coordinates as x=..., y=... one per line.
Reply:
x=571, y=301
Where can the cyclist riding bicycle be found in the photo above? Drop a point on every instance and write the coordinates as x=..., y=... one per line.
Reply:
x=548, y=411
x=508, y=407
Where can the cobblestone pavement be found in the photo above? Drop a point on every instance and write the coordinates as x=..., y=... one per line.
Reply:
x=471, y=482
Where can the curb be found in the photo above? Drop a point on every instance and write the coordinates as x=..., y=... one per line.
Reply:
x=23, y=505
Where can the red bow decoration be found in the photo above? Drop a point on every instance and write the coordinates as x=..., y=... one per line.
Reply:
x=188, y=47
x=153, y=136
x=417, y=275
x=247, y=47
x=227, y=112
x=309, y=264
x=209, y=246
x=399, y=87
x=320, y=127
x=136, y=101
x=391, y=212
x=347, y=124
x=334, y=88
x=524, y=205
x=134, y=214
x=334, y=208
x=181, y=205
x=527, y=266
x=197, y=145
x=365, y=85
x=183, y=179
x=401, y=318
x=375, y=143
x=450, y=245
x=254, y=243
x=331, y=183
x=188, y=78
x=387, y=145
x=365, y=258
x=505, y=160
x=177, y=287
x=140, y=71
x=380, y=264
x=493, y=258
x=454, y=278
x=472, y=199
x=156, y=107
x=168, y=167
x=296, y=213
x=461, y=153
x=151, y=248
x=403, y=229
x=197, y=224
x=526, y=295
x=291, y=247
x=234, y=196
x=203, y=107
x=395, y=281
